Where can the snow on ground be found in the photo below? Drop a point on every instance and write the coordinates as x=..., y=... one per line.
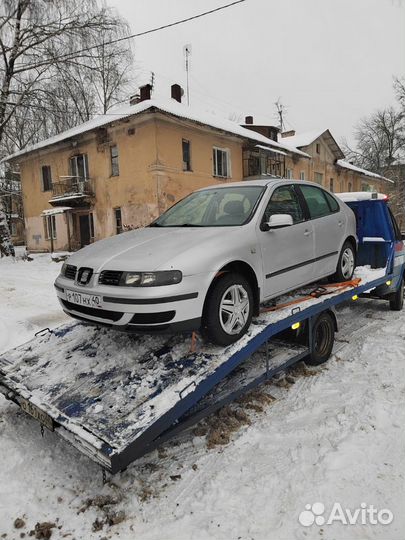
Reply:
x=335, y=435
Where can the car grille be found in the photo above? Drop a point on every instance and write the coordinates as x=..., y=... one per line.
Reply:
x=70, y=271
x=94, y=312
x=152, y=318
x=110, y=277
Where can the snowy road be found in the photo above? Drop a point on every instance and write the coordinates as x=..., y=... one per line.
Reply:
x=333, y=436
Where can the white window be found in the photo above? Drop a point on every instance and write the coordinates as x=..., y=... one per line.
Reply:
x=79, y=166
x=222, y=162
x=50, y=227
x=289, y=174
x=318, y=178
x=302, y=175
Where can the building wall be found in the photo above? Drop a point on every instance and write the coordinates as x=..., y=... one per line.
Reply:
x=150, y=180
x=324, y=163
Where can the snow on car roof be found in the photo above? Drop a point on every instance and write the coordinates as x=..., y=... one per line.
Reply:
x=170, y=107
x=361, y=196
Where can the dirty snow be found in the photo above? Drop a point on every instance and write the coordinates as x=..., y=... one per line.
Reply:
x=335, y=436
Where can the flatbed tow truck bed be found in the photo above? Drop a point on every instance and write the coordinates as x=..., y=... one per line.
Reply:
x=116, y=396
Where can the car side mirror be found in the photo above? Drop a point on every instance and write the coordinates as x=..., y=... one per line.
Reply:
x=278, y=221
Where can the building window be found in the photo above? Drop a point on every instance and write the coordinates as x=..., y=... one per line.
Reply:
x=318, y=148
x=79, y=166
x=349, y=186
x=222, y=162
x=13, y=229
x=50, y=227
x=318, y=178
x=186, y=148
x=331, y=187
x=302, y=175
x=91, y=223
x=289, y=174
x=46, y=183
x=118, y=220
x=115, y=169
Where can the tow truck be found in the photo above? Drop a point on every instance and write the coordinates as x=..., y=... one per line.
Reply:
x=116, y=397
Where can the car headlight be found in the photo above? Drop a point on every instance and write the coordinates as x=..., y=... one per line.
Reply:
x=151, y=279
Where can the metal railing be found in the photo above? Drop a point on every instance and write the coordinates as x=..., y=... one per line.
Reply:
x=72, y=185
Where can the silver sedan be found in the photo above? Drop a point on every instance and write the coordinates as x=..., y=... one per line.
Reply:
x=209, y=261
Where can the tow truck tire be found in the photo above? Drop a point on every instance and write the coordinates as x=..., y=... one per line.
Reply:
x=215, y=320
x=397, y=299
x=346, y=264
x=323, y=337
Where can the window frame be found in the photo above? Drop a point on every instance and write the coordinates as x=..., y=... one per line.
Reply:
x=47, y=168
x=227, y=152
x=114, y=161
x=302, y=175
x=13, y=228
x=85, y=166
x=299, y=196
x=289, y=174
x=50, y=220
x=186, y=164
x=324, y=193
x=316, y=181
x=118, y=228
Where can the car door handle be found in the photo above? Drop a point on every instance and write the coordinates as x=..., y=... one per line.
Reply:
x=307, y=232
x=340, y=223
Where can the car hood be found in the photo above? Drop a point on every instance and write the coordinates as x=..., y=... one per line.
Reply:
x=150, y=249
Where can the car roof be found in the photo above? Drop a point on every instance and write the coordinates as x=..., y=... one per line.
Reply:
x=261, y=183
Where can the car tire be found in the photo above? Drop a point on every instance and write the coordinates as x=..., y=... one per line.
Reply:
x=217, y=323
x=323, y=337
x=397, y=299
x=346, y=264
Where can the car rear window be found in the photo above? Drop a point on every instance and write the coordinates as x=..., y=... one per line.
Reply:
x=316, y=201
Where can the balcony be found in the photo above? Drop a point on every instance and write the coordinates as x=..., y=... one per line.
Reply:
x=260, y=163
x=76, y=190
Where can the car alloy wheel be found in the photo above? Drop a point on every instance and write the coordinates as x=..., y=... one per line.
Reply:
x=347, y=264
x=234, y=309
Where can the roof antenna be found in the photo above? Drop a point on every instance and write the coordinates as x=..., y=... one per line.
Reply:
x=280, y=111
x=187, y=54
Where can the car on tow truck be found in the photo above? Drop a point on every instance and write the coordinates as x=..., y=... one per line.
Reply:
x=211, y=259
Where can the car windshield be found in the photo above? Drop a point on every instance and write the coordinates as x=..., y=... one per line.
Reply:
x=222, y=207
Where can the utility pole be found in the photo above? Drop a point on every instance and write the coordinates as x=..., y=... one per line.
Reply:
x=187, y=54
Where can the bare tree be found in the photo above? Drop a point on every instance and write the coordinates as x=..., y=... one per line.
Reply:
x=379, y=140
x=39, y=62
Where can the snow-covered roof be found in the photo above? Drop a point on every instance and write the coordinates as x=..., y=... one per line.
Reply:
x=351, y=196
x=267, y=149
x=171, y=107
x=303, y=139
x=308, y=137
x=53, y=211
x=346, y=165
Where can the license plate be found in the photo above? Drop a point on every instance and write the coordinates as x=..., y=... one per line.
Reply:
x=36, y=413
x=82, y=299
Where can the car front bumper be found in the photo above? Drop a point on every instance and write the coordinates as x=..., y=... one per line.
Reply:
x=170, y=308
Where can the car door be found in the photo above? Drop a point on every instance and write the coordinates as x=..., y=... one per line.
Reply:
x=329, y=223
x=288, y=252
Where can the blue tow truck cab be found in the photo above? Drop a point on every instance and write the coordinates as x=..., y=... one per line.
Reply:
x=380, y=243
x=115, y=398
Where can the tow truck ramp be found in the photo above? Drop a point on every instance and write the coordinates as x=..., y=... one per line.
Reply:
x=116, y=396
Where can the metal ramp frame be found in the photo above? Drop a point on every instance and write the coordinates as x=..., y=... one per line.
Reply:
x=116, y=397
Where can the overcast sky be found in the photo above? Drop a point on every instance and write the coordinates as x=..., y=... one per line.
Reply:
x=330, y=61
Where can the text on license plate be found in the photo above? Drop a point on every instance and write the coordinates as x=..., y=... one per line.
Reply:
x=89, y=300
x=36, y=413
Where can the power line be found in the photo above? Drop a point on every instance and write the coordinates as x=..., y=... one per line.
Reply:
x=139, y=34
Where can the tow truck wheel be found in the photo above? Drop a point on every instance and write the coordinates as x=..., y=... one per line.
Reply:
x=397, y=300
x=323, y=337
x=228, y=309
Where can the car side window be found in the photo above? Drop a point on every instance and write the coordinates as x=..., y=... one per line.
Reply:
x=284, y=200
x=333, y=204
x=316, y=201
